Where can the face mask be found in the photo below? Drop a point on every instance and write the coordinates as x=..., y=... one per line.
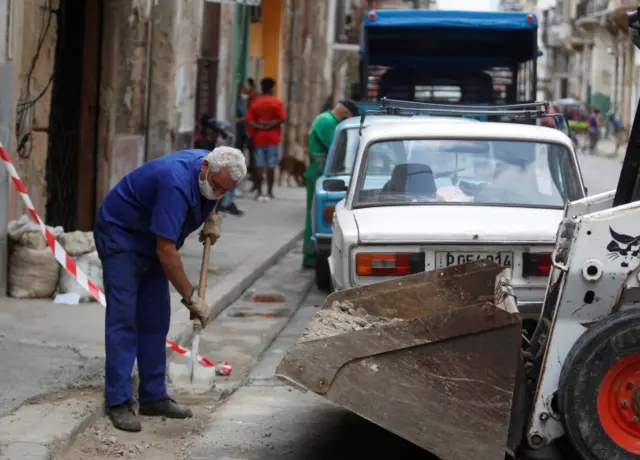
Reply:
x=207, y=191
x=244, y=96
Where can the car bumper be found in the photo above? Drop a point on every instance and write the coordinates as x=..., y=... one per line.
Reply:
x=323, y=245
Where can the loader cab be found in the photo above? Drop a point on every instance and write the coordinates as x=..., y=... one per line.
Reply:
x=628, y=189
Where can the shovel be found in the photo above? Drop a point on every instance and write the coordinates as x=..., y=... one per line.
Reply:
x=198, y=377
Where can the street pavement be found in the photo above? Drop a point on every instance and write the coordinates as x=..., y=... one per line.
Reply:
x=601, y=171
x=52, y=358
x=51, y=355
x=240, y=334
x=267, y=419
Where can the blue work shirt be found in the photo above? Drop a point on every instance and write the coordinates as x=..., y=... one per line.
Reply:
x=161, y=197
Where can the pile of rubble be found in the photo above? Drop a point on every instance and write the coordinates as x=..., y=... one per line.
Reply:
x=34, y=272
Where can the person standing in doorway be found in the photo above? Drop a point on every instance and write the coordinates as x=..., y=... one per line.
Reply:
x=265, y=117
x=320, y=138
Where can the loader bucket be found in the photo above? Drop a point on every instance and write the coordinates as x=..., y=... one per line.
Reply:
x=432, y=357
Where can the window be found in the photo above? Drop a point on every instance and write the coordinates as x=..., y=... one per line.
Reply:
x=255, y=13
x=345, y=151
x=439, y=94
x=477, y=172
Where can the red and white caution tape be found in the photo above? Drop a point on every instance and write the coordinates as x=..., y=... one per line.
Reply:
x=70, y=266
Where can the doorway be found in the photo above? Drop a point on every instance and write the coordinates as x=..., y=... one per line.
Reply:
x=71, y=170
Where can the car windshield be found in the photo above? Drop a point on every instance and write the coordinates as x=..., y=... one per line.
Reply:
x=481, y=172
x=344, y=154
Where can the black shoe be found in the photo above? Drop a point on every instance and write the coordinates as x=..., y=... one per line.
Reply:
x=124, y=418
x=271, y=196
x=233, y=210
x=166, y=408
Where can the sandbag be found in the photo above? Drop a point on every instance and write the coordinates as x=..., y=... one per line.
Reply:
x=77, y=243
x=91, y=266
x=25, y=232
x=33, y=273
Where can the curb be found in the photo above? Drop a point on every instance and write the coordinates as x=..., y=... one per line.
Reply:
x=231, y=389
x=233, y=294
x=22, y=447
x=84, y=424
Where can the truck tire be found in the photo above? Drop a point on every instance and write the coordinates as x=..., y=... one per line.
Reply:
x=599, y=389
x=323, y=275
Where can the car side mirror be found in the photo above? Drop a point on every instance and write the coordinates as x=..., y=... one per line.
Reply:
x=334, y=185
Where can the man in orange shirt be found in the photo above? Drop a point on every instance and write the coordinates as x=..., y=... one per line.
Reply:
x=265, y=116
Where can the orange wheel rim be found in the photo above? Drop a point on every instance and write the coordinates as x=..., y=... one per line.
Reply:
x=619, y=403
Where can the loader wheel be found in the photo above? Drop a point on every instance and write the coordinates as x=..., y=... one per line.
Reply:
x=599, y=389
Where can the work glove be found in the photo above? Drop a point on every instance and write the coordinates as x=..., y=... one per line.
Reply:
x=212, y=228
x=198, y=309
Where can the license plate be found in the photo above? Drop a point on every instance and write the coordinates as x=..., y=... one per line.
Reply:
x=448, y=259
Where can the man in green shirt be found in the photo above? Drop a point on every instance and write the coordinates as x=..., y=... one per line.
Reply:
x=321, y=135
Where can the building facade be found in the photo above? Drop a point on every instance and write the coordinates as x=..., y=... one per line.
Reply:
x=590, y=56
x=101, y=87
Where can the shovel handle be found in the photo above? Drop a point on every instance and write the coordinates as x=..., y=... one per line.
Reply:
x=204, y=271
x=204, y=268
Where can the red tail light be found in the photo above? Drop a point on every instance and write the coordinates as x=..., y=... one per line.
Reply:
x=389, y=264
x=536, y=264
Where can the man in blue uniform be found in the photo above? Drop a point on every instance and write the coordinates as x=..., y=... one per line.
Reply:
x=140, y=226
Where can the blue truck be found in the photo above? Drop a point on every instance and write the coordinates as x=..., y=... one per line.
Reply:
x=448, y=57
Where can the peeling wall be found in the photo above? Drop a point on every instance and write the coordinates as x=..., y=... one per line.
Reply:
x=187, y=39
x=227, y=18
x=31, y=80
x=177, y=29
x=304, y=56
x=141, y=103
x=123, y=87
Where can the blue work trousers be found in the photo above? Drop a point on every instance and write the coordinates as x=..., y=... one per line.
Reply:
x=136, y=323
x=228, y=197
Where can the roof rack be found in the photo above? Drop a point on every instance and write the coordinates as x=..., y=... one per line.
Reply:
x=529, y=110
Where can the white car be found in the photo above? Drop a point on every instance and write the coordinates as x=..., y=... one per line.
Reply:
x=424, y=196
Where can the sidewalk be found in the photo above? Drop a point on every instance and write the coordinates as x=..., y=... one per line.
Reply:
x=52, y=355
x=605, y=147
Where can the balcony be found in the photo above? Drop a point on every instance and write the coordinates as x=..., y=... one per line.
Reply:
x=618, y=11
x=578, y=38
x=590, y=14
x=511, y=5
x=558, y=34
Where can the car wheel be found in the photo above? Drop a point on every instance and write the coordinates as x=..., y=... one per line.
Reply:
x=323, y=275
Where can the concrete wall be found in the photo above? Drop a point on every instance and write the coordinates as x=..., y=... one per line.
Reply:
x=130, y=88
x=30, y=81
x=175, y=50
x=304, y=57
x=123, y=89
x=225, y=70
x=6, y=123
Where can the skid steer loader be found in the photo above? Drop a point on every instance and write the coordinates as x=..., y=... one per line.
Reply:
x=440, y=359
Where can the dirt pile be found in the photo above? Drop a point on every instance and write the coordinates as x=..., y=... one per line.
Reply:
x=339, y=318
